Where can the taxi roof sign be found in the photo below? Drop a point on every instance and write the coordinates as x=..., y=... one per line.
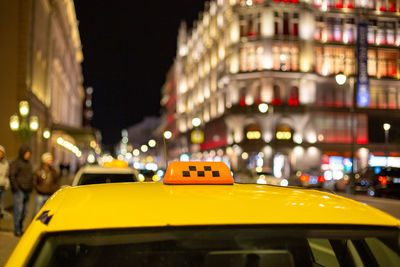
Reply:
x=197, y=172
x=116, y=163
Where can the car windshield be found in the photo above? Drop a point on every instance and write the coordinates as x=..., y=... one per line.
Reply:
x=101, y=178
x=221, y=246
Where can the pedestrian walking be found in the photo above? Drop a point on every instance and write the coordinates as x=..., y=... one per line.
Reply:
x=21, y=178
x=4, y=181
x=46, y=181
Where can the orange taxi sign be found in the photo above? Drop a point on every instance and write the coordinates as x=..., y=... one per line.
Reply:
x=197, y=172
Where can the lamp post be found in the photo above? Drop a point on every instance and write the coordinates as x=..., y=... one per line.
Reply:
x=166, y=136
x=386, y=127
x=341, y=80
x=24, y=124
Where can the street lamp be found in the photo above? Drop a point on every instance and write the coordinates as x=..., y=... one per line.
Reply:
x=21, y=125
x=386, y=127
x=144, y=148
x=46, y=134
x=152, y=143
x=196, y=122
x=166, y=136
x=341, y=80
x=263, y=107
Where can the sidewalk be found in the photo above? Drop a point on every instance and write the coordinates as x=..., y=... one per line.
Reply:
x=7, y=239
x=7, y=243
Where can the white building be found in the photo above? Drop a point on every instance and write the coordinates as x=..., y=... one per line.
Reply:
x=240, y=54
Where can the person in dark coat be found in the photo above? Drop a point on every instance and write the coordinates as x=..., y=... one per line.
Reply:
x=46, y=181
x=21, y=180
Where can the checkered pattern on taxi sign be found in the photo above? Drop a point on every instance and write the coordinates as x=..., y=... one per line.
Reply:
x=198, y=172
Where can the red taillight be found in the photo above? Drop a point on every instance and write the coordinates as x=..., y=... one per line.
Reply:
x=321, y=179
x=382, y=179
x=304, y=178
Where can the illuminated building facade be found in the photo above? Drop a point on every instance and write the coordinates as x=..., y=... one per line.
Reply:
x=243, y=53
x=40, y=62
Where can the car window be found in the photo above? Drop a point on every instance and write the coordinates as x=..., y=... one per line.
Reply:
x=382, y=253
x=323, y=252
x=215, y=246
x=101, y=178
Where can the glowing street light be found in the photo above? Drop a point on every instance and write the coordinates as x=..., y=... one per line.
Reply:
x=340, y=78
x=136, y=152
x=24, y=125
x=152, y=143
x=46, y=134
x=196, y=122
x=263, y=107
x=34, y=123
x=167, y=135
x=14, y=123
x=24, y=108
x=386, y=126
x=144, y=148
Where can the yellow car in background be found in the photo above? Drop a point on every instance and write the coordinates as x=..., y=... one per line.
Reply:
x=199, y=217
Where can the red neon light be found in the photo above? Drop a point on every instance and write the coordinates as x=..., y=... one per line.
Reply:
x=321, y=179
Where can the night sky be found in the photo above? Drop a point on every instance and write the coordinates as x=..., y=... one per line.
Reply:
x=128, y=47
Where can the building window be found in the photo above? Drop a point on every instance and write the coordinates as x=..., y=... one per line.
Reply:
x=387, y=5
x=332, y=60
x=250, y=26
x=320, y=25
x=277, y=95
x=286, y=23
x=387, y=63
x=251, y=57
x=381, y=33
x=293, y=99
x=285, y=57
x=382, y=63
x=335, y=29
x=349, y=3
x=349, y=31
x=372, y=62
x=336, y=128
x=371, y=32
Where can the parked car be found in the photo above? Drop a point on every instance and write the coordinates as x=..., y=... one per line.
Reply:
x=379, y=181
x=99, y=175
x=311, y=179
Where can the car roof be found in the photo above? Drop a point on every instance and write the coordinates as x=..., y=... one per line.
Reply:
x=95, y=169
x=128, y=205
x=101, y=169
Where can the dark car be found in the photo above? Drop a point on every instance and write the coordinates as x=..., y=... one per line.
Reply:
x=311, y=178
x=379, y=181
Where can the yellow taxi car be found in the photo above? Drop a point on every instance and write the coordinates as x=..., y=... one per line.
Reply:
x=199, y=217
